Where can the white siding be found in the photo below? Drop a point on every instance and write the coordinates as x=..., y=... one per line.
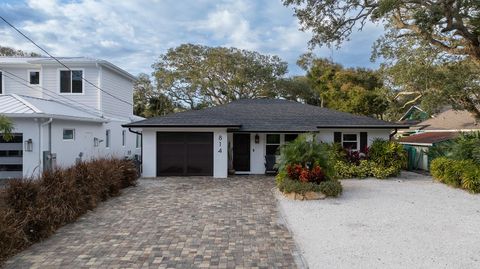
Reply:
x=89, y=97
x=326, y=135
x=17, y=83
x=120, y=87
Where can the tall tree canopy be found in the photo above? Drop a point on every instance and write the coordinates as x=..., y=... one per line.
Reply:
x=198, y=76
x=148, y=100
x=7, y=51
x=452, y=26
x=353, y=90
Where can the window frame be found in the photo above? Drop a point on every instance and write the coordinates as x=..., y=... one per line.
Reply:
x=68, y=129
x=59, y=79
x=39, y=77
x=357, y=135
x=2, y=83
x=138, y=141
x=108, y=138
x=273, y=144
x=124, y=138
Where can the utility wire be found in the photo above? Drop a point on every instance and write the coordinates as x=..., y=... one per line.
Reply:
x=61, y=63
x=55, y=96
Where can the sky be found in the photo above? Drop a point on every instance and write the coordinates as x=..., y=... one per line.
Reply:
x=132, y=34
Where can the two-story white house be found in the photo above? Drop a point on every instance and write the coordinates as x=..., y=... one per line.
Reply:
x=60, y=117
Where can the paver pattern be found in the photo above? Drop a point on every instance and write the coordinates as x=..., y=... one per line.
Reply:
x=195, y=222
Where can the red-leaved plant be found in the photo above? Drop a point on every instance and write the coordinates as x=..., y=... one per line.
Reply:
x=303, y=174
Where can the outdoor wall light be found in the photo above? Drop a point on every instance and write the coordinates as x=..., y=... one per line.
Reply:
x=257, y=139
x=29, y=145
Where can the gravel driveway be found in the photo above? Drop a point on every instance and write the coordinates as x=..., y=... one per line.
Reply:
x=174, y=223
x=407, y=222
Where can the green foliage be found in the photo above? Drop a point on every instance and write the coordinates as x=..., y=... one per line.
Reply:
x=6, y=128
x=457, y=173
x=288, y=185
x=7, y=51
x=387, y=154
x=149, y=101
x=466, y=146
x=306, y=151
x=199, y=76
x=332, y=188
x=358, y=91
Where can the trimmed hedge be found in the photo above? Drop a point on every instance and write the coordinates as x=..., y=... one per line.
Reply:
x=463, y=174
x=35, y=209
x=364, y=169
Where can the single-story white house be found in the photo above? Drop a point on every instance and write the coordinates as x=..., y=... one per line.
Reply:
x=241, y=135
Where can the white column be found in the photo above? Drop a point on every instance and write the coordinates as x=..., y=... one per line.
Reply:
x=220, y=154
x=149, y=157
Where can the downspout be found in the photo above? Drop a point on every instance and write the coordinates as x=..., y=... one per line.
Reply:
x=40, y=153
x=392, y=134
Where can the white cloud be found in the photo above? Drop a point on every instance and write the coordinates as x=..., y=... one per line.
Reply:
x=133, y=34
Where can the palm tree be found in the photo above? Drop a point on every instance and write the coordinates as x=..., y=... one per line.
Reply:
x=6, y=128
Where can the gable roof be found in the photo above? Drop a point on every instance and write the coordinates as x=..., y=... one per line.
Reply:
x=266, y=115
x=427, y=139
x=20, y=106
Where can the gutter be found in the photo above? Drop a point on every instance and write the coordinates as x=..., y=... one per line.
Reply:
x=58, y=117
x=393, y=134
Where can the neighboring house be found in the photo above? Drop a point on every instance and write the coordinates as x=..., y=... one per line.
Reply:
x=414, y=115
x=241, y=135
x=59, y=118
x=440, y=128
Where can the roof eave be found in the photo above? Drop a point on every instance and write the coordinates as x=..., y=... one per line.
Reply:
x=180, y=126
x=53, y=116
x=364, y=126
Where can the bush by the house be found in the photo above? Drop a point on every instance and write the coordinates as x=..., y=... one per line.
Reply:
x=306, y=166
x=382, y=159
x=464, y=147
x=463, y=174
x=34, y=209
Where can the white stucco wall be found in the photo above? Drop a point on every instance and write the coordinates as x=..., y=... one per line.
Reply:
x=68, y=150
x=220, y=152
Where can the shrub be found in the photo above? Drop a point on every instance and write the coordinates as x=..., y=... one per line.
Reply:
x=288, y=185
x=36, y=208
x=387, y=154
x=331, y=188
x=464, y=147
x=457, y=173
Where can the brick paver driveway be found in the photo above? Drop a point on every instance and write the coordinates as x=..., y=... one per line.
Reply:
x=174, y=223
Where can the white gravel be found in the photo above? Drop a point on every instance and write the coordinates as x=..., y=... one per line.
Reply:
x=407, y=222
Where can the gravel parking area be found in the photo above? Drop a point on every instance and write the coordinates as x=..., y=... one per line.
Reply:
x=407, y=222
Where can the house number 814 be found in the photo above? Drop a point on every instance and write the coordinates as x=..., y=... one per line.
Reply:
x=220, y=143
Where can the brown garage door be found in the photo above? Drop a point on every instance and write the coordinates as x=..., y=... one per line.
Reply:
x=184, y=154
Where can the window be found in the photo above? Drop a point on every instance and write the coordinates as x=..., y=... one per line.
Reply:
x=138, y=142
x=71, y=81
x=68, y=134
x=273, y=142
x=290, y=137
x=1, y=83
x=107, y=138
x=350, y=141
x=34, y=77
x=124, y=137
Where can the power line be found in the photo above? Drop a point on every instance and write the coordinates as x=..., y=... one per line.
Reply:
x=88, y=108
x=57, y=60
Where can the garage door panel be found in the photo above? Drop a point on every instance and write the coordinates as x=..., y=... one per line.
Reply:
x=184, y=154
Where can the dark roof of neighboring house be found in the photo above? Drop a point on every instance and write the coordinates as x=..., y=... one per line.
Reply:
x=428, y=138
x=266, y=115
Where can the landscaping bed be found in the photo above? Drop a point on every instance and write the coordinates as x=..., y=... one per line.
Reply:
x=33, y=209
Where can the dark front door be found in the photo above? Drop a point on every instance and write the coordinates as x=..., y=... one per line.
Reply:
x=184, y=154
x=241, y=152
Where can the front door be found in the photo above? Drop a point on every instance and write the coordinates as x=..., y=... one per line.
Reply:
x=241, y=152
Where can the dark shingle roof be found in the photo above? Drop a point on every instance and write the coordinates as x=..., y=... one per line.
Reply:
x=267, y=115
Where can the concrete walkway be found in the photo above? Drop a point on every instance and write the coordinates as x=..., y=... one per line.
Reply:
x=174, y=223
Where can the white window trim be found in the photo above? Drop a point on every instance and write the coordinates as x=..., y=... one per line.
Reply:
x=59, y=82
x=124, y=138
x=138, y=141
x=282, y=140
x=73, y=129
x=39, y=77
x=108, y=138
x=358, y=139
